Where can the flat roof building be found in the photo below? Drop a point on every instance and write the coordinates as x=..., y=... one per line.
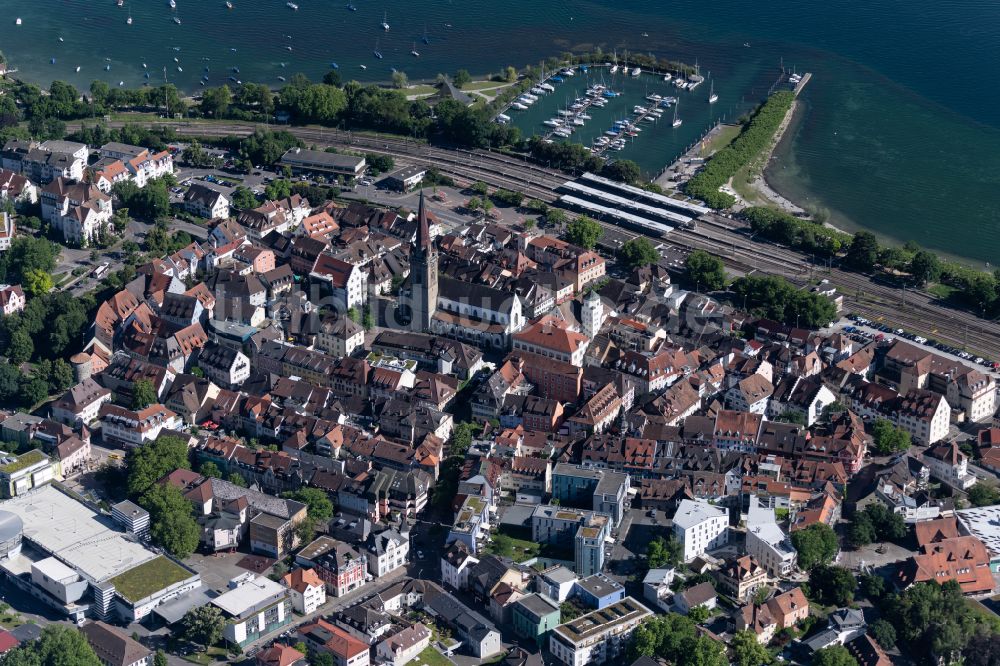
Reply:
x=302, y=159
x=405, y=179
x=128, y=579
x=599, y=636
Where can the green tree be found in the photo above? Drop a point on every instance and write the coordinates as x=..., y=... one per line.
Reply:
x=872, y=586
x=143, y=394
x=332, y=78
x=210, y=469
x=835, y=655
x=37, y=282
x=61, y=377
x=236, y=480
x=983, y=494
x=244, y=199
x=22, y=347
x=816, y=544
x=555, y=217
x=747, y=650
x=399, y=79
x=875, y=523
x=380, y=163
x=832, y=585
x=33, y=390
x=461, y=78
x=148, y=463
x=925, y=267
x=705, y=271
x=58, y=645
x=624, y=171
x=883, y=632
x=480, y=188
x=638, y=252
x=215, y=101
x=699, y=614
x=662, y=552
x=888, y=439
x=320, y=507
x=171, y=524
x=584, y=232
x=160, y=658
x=862, y=255
x=203, y=625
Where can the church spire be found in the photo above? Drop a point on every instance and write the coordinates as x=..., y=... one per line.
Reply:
x=423, y=226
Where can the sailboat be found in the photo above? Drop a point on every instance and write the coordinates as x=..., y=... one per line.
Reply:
x=129, y=19
x=712, y=97
x=376, y=52
x=414, y=52
x=677, y=121
x=385, y=22
x=424, y=39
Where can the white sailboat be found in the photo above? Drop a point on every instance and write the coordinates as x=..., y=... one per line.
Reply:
x=414, y=52
x=712, y=97
x=385, y=22
x=677, y=121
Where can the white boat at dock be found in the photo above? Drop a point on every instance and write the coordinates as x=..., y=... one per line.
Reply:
x=519, y=106
x=564, y=113
x=667, y=77
x=579, y=122
x=614, y=69
x=547, y=87
x=552, y=122
x=654, y=97
x=538, y=91
x=502, y=118
x=636, y=72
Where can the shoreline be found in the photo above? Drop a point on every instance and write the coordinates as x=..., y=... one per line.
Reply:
x=766, y=190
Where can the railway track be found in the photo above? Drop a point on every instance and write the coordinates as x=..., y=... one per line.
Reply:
x=714, y=233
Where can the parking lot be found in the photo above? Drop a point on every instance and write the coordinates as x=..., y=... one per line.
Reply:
x=863, y=330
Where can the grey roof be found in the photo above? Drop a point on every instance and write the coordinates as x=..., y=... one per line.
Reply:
x=322, y=157
x=699, y=594
x=275, y=506
x=538, y=605
x=600, y=585
x=11, y=526
x=175, y=609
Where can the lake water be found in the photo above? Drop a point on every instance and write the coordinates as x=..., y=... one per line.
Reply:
x=900, y=134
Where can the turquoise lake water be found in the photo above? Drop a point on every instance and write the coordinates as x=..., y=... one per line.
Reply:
x=900, y=132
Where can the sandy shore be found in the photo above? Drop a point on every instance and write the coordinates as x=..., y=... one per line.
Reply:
x=760, y=184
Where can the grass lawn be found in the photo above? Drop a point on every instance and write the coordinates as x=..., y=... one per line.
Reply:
x=419, y=90
x=484, y=85
x=518, y=550
x=207, y=657
x=145, y=579
x=942, y=291
x=720, y=139
x=430, y=657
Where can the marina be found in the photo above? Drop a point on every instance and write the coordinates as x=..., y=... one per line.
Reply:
x=616, y=112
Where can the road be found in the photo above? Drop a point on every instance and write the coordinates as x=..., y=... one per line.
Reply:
x=726, y=237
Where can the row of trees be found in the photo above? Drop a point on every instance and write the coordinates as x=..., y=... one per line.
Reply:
x=722, y=166
x=776, y=298
x=862, y=252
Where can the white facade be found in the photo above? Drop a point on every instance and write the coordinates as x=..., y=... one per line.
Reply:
x=592, y=639
x=767, y=543
x=389, y=555
x=700, y=526
x=923, y=430
x=309, y=598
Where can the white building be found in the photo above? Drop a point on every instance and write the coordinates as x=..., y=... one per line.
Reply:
x=766, y=542
x=700, y=526
x=387, y=551
x=348, y=282
x=947, y=463
x=253, y=606
x=78, y=210
x=306, y=588
x=599, y=636
x=403, y=646
x=456, y=561
x=206, y=202
x=133, y=428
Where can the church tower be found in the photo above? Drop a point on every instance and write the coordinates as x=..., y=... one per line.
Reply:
x=423, y=274
x=591, y=314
